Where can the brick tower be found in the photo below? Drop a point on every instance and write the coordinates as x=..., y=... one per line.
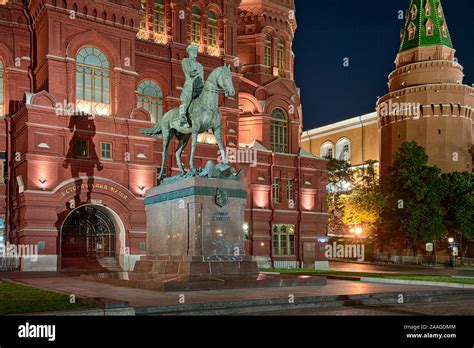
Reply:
x=427, y=100
x=271, y=122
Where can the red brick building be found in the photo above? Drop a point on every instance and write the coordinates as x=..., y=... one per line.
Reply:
x=80, y=78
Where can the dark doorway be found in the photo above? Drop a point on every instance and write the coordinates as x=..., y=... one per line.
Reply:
x=87, y=234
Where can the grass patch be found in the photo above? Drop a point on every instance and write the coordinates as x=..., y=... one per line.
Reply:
x=424, y=278
x=17, y=299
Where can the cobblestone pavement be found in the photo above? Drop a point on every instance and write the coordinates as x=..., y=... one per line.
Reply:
x=148, y=298
x=458, y=308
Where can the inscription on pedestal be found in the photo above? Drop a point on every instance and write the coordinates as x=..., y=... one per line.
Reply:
x=221, y=216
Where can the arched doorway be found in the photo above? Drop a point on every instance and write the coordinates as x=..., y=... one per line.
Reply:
x=88, y=234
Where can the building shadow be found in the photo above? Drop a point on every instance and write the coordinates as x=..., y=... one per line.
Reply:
x=83, y=160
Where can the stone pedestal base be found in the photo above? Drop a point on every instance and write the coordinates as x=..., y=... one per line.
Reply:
x=197, y=269
x=194, y=230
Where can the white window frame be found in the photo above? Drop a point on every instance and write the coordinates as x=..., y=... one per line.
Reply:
x=101, y=150
x=325, y=148
x=341, y=143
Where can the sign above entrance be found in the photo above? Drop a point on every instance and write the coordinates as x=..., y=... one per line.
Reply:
x=80, y=187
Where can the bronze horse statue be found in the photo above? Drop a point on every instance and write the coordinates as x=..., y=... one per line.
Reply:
x=204, y=115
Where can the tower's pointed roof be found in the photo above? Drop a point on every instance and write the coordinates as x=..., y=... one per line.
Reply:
x=425, y=26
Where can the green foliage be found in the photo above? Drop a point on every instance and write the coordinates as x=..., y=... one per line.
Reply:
x=16, y=298
x=340, y=176
x=364, y=205
x=458, y=202
x=340, y=181
x=415, y=194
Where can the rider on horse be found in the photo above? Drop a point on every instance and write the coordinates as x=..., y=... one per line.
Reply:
x=194, y=84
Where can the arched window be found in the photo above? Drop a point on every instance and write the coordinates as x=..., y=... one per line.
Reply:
x=411, y=31
x=444, y=29
x=268, y=51
x=2, y=88
x=281, y=56
x=428, y=9
x=327, y=150
x=150, y=97
x=279, y=131
x=92, y=82
x=196, y=26
x=429, y=27
x=212, y=35
x=343, y=149
x=414, y=12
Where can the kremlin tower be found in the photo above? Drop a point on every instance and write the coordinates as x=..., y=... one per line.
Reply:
x=427, y=101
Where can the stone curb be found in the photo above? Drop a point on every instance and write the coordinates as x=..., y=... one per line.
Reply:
x=416, y=282
x=85, y=313
x=397, y=281
x=407, y=265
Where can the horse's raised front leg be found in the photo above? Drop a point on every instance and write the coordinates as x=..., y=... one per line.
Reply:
x=218, y=135
x=193, y=151
x=183, y=141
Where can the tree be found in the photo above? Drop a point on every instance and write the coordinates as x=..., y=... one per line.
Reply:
x=340, y=181
x=415, y=193
x=458, y=202
x=364, y=205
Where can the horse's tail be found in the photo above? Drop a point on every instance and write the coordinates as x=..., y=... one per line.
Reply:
x=153, y=132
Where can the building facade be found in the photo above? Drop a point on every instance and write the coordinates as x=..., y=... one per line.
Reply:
x=355, y=140
x=81, y=78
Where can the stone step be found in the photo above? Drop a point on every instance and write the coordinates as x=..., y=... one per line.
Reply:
x=80, y=264
x=110, y=264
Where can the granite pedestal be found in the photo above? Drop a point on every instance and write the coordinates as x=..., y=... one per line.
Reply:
x=194, y=230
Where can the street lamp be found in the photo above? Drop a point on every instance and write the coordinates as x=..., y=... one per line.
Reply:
x=356, y=232
x=453, y=250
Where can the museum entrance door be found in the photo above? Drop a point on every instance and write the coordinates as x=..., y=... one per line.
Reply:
x=87, y=234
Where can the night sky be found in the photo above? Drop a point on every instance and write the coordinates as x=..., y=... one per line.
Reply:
x=366, y=32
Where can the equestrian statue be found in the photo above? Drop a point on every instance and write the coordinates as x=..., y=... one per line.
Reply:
x=198, y=113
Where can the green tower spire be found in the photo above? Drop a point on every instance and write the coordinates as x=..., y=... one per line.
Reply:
x=425, y=26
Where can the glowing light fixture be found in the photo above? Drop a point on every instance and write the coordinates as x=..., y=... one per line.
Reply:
x=43, y=183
